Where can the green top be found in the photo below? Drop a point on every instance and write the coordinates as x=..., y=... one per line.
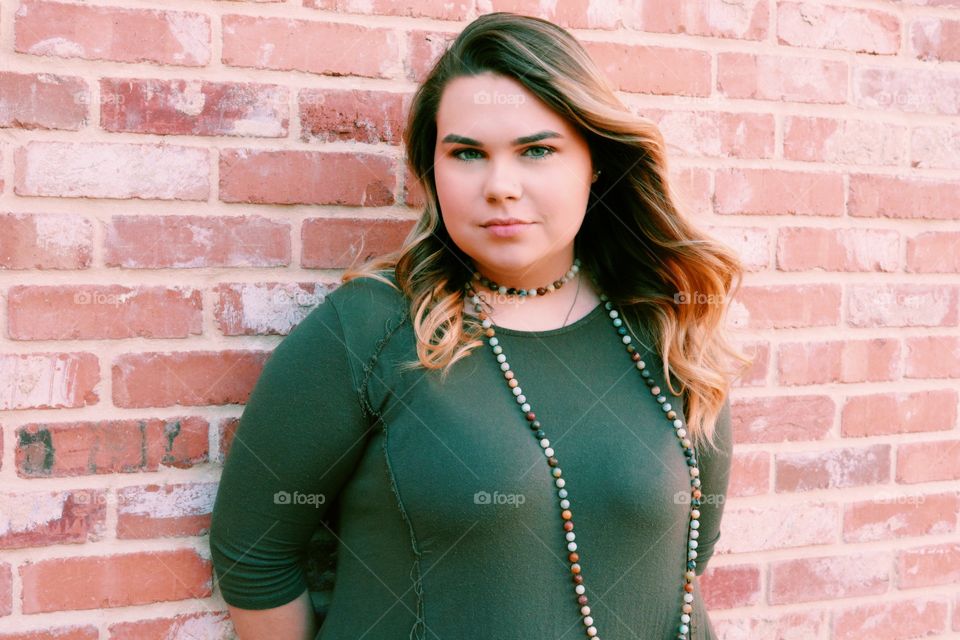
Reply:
x=443, y=505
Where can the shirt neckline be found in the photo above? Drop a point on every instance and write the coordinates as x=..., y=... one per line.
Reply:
x=543, y=333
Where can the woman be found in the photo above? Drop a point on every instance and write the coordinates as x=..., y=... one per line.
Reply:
x=484, y=419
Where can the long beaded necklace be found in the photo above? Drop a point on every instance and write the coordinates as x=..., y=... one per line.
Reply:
x=566, y=514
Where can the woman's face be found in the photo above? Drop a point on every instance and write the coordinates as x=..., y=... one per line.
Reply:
x=501, y=153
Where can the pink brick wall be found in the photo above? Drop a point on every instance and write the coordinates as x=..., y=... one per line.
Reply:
x=180, y=182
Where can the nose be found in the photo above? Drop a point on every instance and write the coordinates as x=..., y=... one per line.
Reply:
x=502, y=182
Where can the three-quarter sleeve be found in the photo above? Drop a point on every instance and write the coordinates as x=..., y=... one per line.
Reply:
x=714, y=466
x=298, y=440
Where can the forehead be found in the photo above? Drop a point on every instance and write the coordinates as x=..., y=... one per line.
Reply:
x=493, y=107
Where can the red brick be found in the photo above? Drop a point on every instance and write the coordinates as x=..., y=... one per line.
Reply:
x=228, y=429
x=329, y=115
x=845, y=361
x=778, y=526
x=782, y=419
x=956, y=613
x=45, y=241
x=423, y=49
x=787, y=79
x=99, y=582
x=751, y=244
x=843, y=141
x=413, y=194
x=48, y=380
x=195, y=107
x=893, y=517
x=692, y=188
x=932, y=357
x=110, y=446
x=807, y=248
x=805, y=24
x=928, y=461
x=934, y=252
x=749, y=474
x=188, y=378
x=35, y=519
x=777, y=192
x=306, y=177
x=55, y=633
x=6, y=590
x=895, y=197
x=105, y=170
x=782, y=626
x=935, y=39
x=935, y=147
x=901, y=305
x=730, y=587
x=334, y=243
x=715, y=134
x=153, y=511
x=212, y=625
x=111, y=33
x=756, y=373
x=265, y=308
x=329, y=48
x=787, y=306
x=833, y=469
x=928, y=566
x=43, y=101
x=827, y=578
x=102, y=311
x=931, y=90
x=648, y=69
x=715, y=18
x=907, y=412
x=156, y=242
x=439, y=9
x=891, y=620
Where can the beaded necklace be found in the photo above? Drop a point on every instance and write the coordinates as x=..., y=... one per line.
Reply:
x=566, y=513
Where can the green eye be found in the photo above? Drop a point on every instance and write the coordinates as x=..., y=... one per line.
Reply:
x=542, y=151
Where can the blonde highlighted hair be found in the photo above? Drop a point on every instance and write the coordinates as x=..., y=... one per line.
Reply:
x=634, y=240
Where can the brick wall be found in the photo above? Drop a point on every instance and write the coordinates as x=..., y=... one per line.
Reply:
x=181, y=181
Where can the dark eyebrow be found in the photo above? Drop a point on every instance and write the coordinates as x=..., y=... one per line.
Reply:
x=542, y=135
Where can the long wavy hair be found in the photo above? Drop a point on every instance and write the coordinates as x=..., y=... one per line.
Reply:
x=643, y=252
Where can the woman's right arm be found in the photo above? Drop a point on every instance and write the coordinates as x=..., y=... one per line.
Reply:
x=299, y=439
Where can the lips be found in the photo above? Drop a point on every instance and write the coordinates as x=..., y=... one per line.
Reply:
x=503, y=222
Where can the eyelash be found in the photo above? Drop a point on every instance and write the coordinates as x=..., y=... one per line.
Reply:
x=551, y=150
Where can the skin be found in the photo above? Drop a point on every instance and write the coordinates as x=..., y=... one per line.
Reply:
x=482, y=172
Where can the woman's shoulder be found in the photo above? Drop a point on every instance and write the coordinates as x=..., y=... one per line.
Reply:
x=358, y=313
x=364, y=296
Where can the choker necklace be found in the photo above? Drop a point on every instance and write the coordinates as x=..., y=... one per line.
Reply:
x=566, y=512
x=539, y=291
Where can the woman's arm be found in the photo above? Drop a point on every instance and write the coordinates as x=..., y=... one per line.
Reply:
x=292, y=621
x=297, y=444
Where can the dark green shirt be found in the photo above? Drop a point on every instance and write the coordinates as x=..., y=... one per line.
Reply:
x=443, y=506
